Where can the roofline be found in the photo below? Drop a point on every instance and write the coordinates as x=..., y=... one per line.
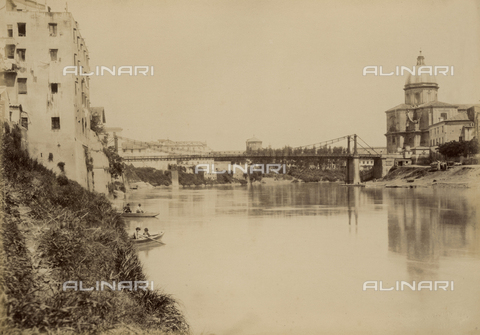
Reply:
x=450, y=121
x=420, y=85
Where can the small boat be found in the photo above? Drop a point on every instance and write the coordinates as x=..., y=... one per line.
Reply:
x=139, y=215
x=154, y=237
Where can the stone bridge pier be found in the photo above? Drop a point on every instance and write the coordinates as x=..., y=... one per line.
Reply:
x=175, y=183
x=381, y=166
x=353, y=170
x=353, y=164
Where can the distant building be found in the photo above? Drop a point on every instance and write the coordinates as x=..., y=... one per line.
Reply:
x=165, y=147
x=144, y=153
x=367, y=163
x=182, y=147
x=4, y=104
x=450, y=129
x=472, y=132
x=254, y=144
x=35, y=46
x=417, y=126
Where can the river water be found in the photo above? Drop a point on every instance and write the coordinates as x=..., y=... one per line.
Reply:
x=293, y=258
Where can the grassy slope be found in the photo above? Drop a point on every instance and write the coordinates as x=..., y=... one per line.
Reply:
x=53, y=231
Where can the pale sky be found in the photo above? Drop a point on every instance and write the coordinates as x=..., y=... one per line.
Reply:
x=288, y=72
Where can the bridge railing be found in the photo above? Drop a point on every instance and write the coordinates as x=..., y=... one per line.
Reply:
x=246, y=156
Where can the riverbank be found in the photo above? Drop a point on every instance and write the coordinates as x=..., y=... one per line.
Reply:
x=466, y=176
x=146, y=177
x=54, y=231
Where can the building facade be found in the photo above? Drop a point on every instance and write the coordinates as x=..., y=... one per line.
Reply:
x=253, y=144
x=35, y=46
x=416, y=127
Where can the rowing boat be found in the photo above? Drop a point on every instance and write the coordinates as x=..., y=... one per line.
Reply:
x=139, y=215
x=154, y=237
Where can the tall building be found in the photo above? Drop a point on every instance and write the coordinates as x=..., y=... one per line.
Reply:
x=35, y=46
x=420, y=124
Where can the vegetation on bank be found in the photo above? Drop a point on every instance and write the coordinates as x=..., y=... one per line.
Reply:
x=158, y=177
x=406, y=172
x=148, y=175
x=308, y=175
x=455, y=149
x=53, y=230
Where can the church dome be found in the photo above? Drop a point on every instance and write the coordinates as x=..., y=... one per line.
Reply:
x=424, y=78
x=253, y=140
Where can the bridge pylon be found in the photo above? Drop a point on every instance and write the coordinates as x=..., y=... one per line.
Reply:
x=353, y=164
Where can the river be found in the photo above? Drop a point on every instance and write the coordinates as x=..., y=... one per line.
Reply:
x=293, y=258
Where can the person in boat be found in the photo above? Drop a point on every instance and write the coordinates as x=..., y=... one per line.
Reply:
x=146, y=233
x=127, y=209
x=139, y=209
x=136, y=235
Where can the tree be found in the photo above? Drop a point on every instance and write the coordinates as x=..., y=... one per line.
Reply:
x=115, y=162
x=458, y=148
x=96, y=124
x=472, y=147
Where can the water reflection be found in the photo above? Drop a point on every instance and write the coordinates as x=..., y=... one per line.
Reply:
x=291, y=259
x=426, y=225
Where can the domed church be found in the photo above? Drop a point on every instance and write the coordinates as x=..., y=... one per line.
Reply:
x=419, y=125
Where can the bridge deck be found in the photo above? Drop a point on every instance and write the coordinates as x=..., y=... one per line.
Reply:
x=246, y=156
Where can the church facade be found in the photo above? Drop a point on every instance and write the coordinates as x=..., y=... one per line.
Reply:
x=419, y=125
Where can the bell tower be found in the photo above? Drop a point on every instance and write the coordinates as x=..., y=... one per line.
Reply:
x=420, y=88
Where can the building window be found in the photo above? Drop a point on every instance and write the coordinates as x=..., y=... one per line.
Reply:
x=22, y=29
x=444, y=116
x=55, y=123
x=10, y=79
x=54, y=88
x=53, y=55
x=24, y=121
x=52, y=28
x=22, y=85
x=9, y=30
x=10, y=51
x=21, y=54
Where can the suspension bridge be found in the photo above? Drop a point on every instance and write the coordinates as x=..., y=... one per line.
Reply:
x=356, y=149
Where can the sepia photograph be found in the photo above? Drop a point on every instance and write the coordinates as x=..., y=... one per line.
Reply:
x=240, y=167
